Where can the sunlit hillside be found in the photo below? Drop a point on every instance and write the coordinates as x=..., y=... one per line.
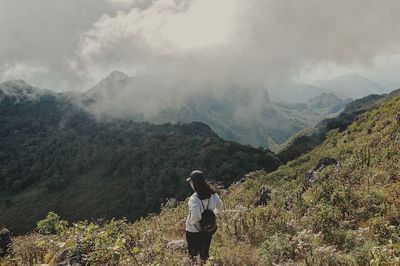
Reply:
x=345, y=213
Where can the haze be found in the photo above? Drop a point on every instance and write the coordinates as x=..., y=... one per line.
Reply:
x=72, y=44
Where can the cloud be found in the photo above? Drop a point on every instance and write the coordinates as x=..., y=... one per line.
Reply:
x=190, y=43
x=274, y=38
x=46, y=34
x=129, y=3
x=166, y=28
x=19, y=70
x=122, y=2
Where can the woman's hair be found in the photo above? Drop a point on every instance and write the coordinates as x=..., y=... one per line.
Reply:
x=203, y=189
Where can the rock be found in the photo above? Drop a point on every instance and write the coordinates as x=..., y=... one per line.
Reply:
x=325, y=161
x=76, y=257
x=288, y=202
x=263, y=197
x=5, y=243
x=250, y=175
x=171, y=203
x=223, y=191
x=62, y=258
x=177, y=245
x=311, y=175
x=216, y=184
x=185, y=261
x=309, y=178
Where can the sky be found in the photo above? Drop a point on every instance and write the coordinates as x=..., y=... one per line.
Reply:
x=72, y=44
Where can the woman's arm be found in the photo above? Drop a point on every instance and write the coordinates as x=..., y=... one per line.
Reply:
x=194, y=211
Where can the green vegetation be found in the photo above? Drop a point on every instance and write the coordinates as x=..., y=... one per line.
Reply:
x=309, y=138
x=350, y=214
x=56, y=157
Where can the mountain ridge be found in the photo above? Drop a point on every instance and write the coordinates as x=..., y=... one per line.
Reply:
x=227, y=111
x=345, y=212
x=54, y=155
x=352, y=85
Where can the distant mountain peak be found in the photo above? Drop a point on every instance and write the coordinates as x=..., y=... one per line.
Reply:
x=117, y=75
x=107, y=85
x=15, y=83
x=324, y=95
x=19, y=89
x=352, y=76
x=351, y=85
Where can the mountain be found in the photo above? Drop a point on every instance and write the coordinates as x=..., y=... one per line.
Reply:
x=56, y=156
x=295, y=92
x=388, y=86
x=236, y=117
x=351, y=85
x=242, y=114
x=328, y=101
x=337, y=204
x=308, y=138
x=20, y=90
x=105, y=88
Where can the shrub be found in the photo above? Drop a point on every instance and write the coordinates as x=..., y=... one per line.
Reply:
x=51, y=224
x=277, y=249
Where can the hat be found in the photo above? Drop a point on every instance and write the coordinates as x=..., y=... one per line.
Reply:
x=196, y=175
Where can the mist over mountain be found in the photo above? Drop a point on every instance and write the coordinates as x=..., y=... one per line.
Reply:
x=348, y=86
x=106, y=106
x=172, y=43
x=337, y=204
x=309, y=138
x=295, y=92
x=103, y=90
x=54, y=155
x=352, y=85
x=242, y=114
x=329, y=101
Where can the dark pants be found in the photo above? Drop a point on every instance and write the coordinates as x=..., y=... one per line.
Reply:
x=198, y=244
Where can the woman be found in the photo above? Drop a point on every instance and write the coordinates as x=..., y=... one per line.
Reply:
x=203, y=198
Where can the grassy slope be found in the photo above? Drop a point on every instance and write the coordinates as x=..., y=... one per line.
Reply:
x=309, y=138
x=350, y=215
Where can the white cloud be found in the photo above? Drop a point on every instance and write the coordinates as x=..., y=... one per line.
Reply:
x=194, y=41
x=167, y=27
x=128, y=3
x=20, y=70
x=268, y=39
x=121, y=2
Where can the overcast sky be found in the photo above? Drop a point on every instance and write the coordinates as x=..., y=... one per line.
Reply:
x=71, y=44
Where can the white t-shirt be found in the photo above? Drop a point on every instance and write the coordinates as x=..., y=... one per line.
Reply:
x=196, y=209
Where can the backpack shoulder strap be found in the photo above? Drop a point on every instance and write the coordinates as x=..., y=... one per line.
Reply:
x=203, y=205
x=208, y=202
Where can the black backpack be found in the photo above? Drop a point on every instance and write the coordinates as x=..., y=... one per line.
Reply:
x=208, y=222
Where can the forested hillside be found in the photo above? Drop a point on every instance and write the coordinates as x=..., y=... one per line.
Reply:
x=55, y=156
x=341, y=210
